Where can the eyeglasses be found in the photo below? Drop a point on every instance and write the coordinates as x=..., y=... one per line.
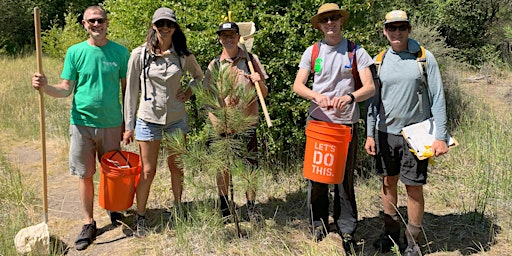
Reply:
x=167, y=23
x=228, y=36
x=402, y=28
x=325, y=19
x=93, y=21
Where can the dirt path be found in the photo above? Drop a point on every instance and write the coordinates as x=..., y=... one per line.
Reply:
x=64, y=211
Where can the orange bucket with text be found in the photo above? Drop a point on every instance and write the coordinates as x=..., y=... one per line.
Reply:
x=326, y=151
x=119, y=176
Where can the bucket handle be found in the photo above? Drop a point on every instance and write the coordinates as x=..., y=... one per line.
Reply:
x=317, y=107
x=121, y=153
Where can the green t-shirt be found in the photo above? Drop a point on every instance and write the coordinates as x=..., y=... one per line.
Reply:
x=97, y=72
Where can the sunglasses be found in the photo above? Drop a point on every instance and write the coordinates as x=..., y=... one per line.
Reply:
x=167, y=23
x=326, y=19
x=93, y=21
x=402, y=28
x=228, y=36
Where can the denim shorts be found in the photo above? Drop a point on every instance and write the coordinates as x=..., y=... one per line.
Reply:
x=146, y=131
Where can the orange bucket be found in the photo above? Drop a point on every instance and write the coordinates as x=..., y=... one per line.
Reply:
x=326, y=151
x=119, y=176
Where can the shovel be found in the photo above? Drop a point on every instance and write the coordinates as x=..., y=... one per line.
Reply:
x=36, y=239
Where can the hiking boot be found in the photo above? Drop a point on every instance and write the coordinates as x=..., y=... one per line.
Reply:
x=349, y=245
x=86, y=237
x=412, y=250
x=386, y=241
x=115, y=218
x=140, y=226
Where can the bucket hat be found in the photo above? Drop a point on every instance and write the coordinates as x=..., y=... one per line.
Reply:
x=164, y=13
x=326, y=8
x=396, y=16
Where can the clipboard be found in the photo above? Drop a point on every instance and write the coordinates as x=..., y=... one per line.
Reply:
x=420, y=137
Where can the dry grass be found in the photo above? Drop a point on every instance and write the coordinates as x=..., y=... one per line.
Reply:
x=468, y=209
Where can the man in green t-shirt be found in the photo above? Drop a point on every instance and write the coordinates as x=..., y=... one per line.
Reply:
x=93, y=72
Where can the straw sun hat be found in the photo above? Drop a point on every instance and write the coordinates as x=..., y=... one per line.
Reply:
x=329, y=7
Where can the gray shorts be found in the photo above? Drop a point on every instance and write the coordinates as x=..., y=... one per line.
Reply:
x=88, y=144
x=394, y=158
x=146, y=131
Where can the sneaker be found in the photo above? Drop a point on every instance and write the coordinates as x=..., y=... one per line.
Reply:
x=349, y=245
x=386, y=242
x=140, y=226
x=412, y=250
x=115, y=218
x=86, y=237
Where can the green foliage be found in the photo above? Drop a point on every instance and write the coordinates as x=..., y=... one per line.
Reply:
x=57, y=40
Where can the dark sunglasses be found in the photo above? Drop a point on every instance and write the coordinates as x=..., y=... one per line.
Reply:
x=93, y=21
x=326, y=19
x=167, y=23
x=402, y=28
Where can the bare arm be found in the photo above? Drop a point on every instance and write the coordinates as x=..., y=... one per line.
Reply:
x=63, y=89
x=299, y=87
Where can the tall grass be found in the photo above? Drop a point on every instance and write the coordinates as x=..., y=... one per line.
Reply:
x=473, y=178
x=20, y=100
x=17, y=200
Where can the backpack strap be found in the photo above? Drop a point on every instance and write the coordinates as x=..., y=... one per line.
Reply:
x=379, y=59
x=352, y=47
x=314, y=55
x=146, y=58
x=421, y=59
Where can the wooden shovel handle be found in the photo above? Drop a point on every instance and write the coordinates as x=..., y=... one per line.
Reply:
x=39, y=53
x=258, y=89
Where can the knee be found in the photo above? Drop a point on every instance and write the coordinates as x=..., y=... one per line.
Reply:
x=390, y=182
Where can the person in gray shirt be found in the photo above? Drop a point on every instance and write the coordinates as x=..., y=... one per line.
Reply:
x=403, y=99
x=334, y=99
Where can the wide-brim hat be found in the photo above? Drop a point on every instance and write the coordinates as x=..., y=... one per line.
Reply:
x=164, y=13
x=327, y=8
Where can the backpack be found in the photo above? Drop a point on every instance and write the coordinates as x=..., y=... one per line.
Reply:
x=352, y=47
x=421, y=59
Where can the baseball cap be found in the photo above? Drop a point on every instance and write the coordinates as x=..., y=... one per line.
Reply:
x=396, y=16
x=228, y=26
x=164, y=13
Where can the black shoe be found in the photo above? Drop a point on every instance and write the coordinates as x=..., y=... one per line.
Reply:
x=319, y=233
x=386, y=242
x=115, y=218
x=255, y=217
x=412, y=250
x=140, y=226
x=86, y=237
x=349, y=245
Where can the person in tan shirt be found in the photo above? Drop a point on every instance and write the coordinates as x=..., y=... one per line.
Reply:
x=229, y=36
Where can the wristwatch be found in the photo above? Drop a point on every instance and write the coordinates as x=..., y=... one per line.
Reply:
x=352, y=98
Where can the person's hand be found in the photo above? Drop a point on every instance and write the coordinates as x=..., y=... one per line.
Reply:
x=255, y=78
x=439, y=147
x=181, y=95
x=323, y=101
x=370, y=146
x=128, y=137
x=341, y=102
x=39, y=81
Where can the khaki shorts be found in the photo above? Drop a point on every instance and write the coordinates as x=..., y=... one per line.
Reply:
x=88, y=144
